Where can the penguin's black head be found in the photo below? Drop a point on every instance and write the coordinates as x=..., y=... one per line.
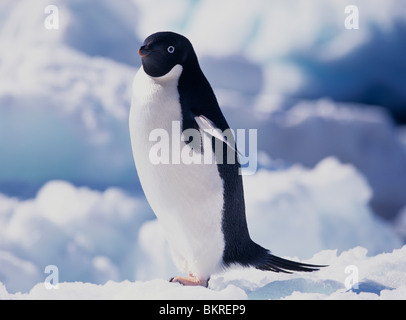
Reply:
x=162, y=51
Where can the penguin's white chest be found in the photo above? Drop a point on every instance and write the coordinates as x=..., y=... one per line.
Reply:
x=187, y=198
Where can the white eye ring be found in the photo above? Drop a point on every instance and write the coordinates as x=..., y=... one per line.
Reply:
x=171, y=49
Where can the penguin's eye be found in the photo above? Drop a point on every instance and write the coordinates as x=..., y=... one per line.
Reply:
x=171, y=49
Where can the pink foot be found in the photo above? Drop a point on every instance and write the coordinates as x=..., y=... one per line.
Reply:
x=191, y=281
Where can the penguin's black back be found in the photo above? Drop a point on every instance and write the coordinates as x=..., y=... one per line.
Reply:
x=197, y=98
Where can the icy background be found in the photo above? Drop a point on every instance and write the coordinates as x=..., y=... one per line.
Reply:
x=329, y=105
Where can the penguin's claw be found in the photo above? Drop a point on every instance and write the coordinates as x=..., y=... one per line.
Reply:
x=191, y=281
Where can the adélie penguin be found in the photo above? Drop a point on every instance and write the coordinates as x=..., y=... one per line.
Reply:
x=200, y=205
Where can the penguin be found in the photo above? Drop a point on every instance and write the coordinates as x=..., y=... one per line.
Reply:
x=199, y=205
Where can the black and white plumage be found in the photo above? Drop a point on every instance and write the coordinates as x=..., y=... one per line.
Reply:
x=200, y=206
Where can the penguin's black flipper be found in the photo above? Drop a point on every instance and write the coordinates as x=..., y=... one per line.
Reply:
x=277, y=264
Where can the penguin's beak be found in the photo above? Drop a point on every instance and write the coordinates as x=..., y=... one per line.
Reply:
x=144, y=51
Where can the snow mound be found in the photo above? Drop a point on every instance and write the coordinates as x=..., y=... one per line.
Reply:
x=350, y=275
x=151, y=290
x=94, y=236
x=308, y=131
x=326, y=208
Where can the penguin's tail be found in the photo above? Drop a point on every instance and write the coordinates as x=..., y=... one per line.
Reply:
x=269, y=262
x=263, y=259
x=253, y=255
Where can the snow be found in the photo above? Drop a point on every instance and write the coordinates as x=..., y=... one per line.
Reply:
x=331, y=183
x=305, y=39
x=86, y=231
x=94, y=236
x=370, y=278
x=326, y=207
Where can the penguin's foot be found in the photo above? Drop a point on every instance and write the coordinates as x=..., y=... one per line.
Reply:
x=191, y=280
